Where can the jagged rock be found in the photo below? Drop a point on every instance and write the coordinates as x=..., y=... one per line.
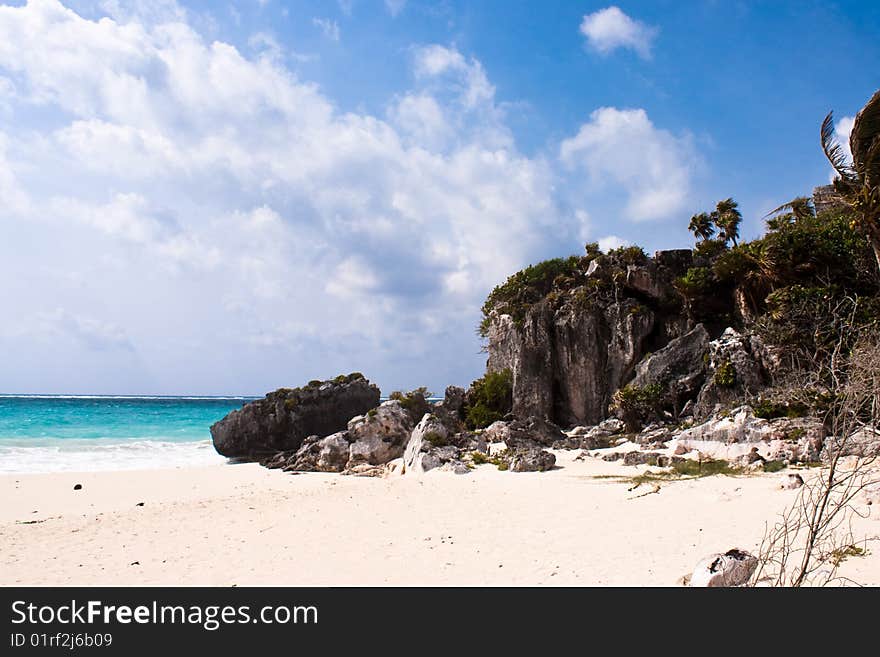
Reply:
x=278, y=460
x=453, y=401
x=328, y=454
x=641, y=458
x=865, y=443
x=795, y=440
x=612, y=426
x=379, y=436
x=428, y=447
x=497, y=432
x=567, y=363
x=678, y=369
x=533, y=430
x=738, y=426
x=734, y=373
x=531, y=460
x=733, y=568
x=653, y=435
x=284, y=418
x=791, y=482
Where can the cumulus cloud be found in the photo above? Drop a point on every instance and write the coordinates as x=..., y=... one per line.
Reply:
x=610, y=28
x=654, y=166
x=244, y=233
x=610, y=242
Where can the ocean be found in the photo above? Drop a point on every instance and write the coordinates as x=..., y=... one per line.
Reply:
x=46, y=433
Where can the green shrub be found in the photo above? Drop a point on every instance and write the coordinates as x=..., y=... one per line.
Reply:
x=689, y=468
x=638, y=404
x=479, y=458
x=414, y=402
x=489, y=399
x=630, y=255
x=696, y=282
x=774, y=466
x=725, y=375
x=526, y=287
x=710, y=249
x=436, y=439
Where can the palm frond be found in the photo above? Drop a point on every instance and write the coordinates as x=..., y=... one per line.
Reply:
x=801, y=207
x=864, y=139
x=835, y=153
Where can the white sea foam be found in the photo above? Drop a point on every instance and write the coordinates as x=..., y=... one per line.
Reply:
x=95, y=455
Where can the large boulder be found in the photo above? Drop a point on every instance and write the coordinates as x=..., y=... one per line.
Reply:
x=284, y=418
x=379, y=436
x=453, y=401
x=531, y=460
x=733, y=568
x=328, y=454
x=678, y=369
x=430, y=447
x=533, y=430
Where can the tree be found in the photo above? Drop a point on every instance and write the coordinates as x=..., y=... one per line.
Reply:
x=727, y=217
x=858, y=181
x=797, y=209
x=701, y=226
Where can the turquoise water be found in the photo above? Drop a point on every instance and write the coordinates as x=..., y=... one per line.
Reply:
x=68, y=433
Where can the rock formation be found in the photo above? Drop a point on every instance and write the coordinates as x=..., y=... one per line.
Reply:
x=571, y=351
x=284, y=418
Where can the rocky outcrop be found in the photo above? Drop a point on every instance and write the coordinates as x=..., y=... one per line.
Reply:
x=453, y=401
x=431, y=446
x=284, y=418
x=734, y=372
x=328, y=454
x=379, y=436
x=678, y=369
x=568, y=353
x=533, y=431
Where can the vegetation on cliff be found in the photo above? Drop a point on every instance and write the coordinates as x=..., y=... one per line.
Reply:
x=489, y=399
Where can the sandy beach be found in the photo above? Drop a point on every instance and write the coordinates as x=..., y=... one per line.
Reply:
x=246, y=525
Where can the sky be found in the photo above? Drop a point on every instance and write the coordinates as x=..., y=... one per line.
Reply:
x=224, y=198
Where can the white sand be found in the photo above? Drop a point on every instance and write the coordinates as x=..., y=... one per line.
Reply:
x=245, y=525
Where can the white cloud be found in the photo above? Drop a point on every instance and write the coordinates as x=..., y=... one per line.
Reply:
x=610, y=28
x=436, y=60
x=330, y=29
x=394, y=7
x=610, y=242
x=842, y=129
x=654, y=166
x=209, y=203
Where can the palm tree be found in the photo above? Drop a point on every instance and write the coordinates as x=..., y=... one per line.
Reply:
x=701, y=226
x=858, y=182
x=797, y=209
x=727, y=217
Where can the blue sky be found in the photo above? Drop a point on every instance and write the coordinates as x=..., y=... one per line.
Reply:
x=229, y=197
